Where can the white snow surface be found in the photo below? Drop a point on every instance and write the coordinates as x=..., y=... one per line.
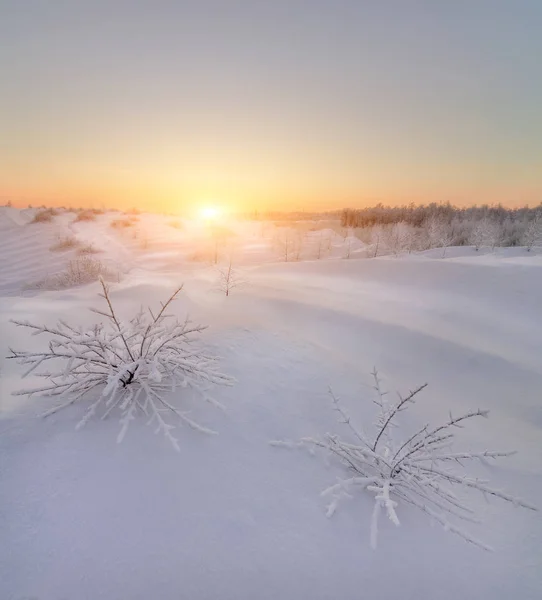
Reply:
x=230, y=516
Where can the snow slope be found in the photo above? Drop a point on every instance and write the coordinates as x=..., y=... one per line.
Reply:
x=231, y=516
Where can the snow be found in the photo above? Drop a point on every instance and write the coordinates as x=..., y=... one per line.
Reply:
x=232, y=516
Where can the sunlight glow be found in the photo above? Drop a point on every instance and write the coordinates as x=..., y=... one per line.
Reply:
x=209, y=213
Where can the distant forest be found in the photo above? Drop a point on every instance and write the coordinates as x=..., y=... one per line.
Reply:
x=419, y=227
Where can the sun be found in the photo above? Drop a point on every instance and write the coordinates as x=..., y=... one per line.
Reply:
x=209, y=213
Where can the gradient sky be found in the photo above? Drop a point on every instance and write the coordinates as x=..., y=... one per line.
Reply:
x=244, y=104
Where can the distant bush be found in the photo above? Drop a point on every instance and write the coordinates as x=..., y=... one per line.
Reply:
x=176, y=224
x=85, y=215
x=65, y=243
x=80, y=271
x=122, y=223
x=203, y=255
x=87, y=249
x=44, y=216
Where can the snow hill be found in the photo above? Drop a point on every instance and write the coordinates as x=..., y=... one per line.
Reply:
x=230, y=516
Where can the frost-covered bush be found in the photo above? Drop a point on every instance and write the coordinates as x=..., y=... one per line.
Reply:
x=420, y=469
x=80, y=271
x=124, y=366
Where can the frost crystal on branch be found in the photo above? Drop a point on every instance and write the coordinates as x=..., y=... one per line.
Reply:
x=418, y=470
x=131, y=366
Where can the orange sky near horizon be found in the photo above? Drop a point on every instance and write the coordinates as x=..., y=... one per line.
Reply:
x=286, y=105
x=176, y=204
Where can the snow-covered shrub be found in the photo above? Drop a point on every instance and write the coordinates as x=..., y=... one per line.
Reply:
x=128, y=366
x=123, y=223
x=80, y=271
x=419, y=469
x=87, y=249
x=44, y=216
x=85, y=215
x=65, y=243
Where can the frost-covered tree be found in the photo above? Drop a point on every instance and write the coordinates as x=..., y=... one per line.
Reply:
x=298, y=245
x=399, y=238
x=321, y=243
x=485, y=233
x=126, y=366
x=228, y=278
x=286, y=243
x=440, y=235
x=220, y=237
x=532, y=235
x=376, y=239
x=420, y=469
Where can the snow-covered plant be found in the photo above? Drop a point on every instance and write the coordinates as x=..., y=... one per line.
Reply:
x=321, y=245
x=485, y=233
x=64, y=243
x=398, y=238
x=228, y=278
x=532, y=235
x=44, y=216
x=87, y=249
x=348, y=247
x=86, y=215
x=298, y=245
x=421, y=469
x=440, y=235
x=128, y=366
x=82, y=270
x=376, y=238
x=285, y=243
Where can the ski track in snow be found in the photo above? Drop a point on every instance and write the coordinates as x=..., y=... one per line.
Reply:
x=231, y=517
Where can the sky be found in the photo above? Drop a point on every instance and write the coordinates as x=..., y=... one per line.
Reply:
x=285, y=105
